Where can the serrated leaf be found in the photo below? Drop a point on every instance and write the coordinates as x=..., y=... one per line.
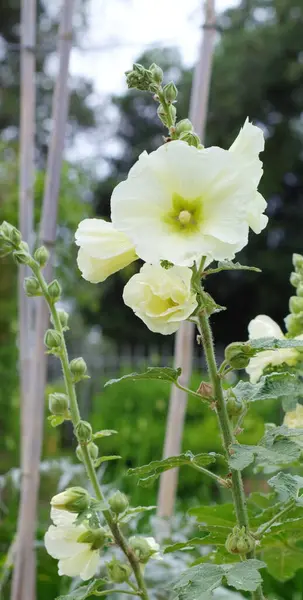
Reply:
x=188, y=545
x=279, y=433
x=103, y=459
x=83, y=592
x=273, y=386
x=245, y=575
x=222, y=515
x=281, y=453
x=149, y=473
x=198, y=583
x=104, y=433
x=133, y=512
x=228, y=265
x=163, y=373
x=285, y=485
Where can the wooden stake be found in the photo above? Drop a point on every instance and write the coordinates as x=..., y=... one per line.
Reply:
x=184, y=336
x=23, y=586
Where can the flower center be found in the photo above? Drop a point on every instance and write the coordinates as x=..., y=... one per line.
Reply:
x=184, y=217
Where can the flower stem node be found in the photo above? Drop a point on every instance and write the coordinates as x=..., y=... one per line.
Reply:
x=183, y=126
x=170, y=92
x=84, y=432
x=95, y=537
x=118, y=502
x=78, y=368
x=41, y=256
x=238, y=355
x=58, y=404
x=118, y=572
x=74, y=499
x=240, y=541
x=144, y=548
x=157, y=73
x=54, y=290
x=191, y=138
x=53, y=340
x=32, y=287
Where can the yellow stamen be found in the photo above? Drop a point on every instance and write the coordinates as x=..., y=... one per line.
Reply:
x=184, y=217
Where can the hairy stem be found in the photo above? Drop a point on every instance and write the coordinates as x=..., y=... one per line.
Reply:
x=275, y=518
x=225, y=426
x=88, y=463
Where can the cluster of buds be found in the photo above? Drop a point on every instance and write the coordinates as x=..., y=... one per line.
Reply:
x=294, y=321
x=240, y=541
x=118, y=572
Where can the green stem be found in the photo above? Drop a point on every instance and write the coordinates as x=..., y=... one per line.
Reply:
x=88, y=463
x=191, y=392
x=280, y=514
x=225, y=426
x=216, y=478
x=107, y=592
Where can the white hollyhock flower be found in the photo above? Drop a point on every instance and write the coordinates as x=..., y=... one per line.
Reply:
x=62, y=542
x=155, y=547
x=294, y=418
x=162, y=298
x=103, y=250
x=261, y=327
x=180, y=203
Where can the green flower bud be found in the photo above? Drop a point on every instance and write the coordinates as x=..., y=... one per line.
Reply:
x=63, y=318
x=58, y=404
x=78, y=368
x=297, y=261
x=21, y=257
x=157, y=73
x=32, y=286
x=9, y=233
x=52, y=339
x=300, y=290
x=183, y=126
x=234, y=407
x=5, y=229
x=238, y=355
x=93, y=450
x=191, y=138
x=118, y=502
x=139, y=78
x=141, y=548
x=41, y=255
x=295, y=279
x=95, y=537
x=170, y=92
x=79, y=453
x=54, y=290
x=73, y=499
x=294, y=324
x=162, y=115
x=240, y=541
x=118, y=572
x=296, y=304
x=84, y=432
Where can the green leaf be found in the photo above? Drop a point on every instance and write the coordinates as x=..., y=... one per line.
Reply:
x=228, y=265
x=222, y=515
x=133, y=512
x=163, y=373
x=198, y=583
x=286, y=486
x=103, y=459
x=83, y=592
x=104, y=433
x=281, y=453
x=282, y=550
x=149, y=473
x=188, y=545
x=275, y=385
x=245, y=575
x=267, y=343
x=56, y=420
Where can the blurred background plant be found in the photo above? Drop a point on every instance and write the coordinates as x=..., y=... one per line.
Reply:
x=257, y=72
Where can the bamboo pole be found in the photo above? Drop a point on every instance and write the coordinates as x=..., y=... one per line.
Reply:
x=184, y=337
x=23, y=586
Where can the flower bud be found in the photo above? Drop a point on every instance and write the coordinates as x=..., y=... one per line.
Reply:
x=52, y=339
x=95, y=537
x=294, y=324
x=63, y=318
x=162, y=115
x=54, y=290
x=238, y=354
x=32, y=286
x=73, y=499
x=300, y=290
x=183, y=126
x=170, y=92
x=78, y=368
x=92, y=449
x=157, y=73
x=118, y=572
x=10, y=233
x=21, y=257
x=297, y=261
x=295, y=279
x=118, y=502
x=295, y=304
x=240, y=541
x=79, y=453
x=58, y=404
x=141, y=548
x=41, y=255
x=191, y=138
x=84, y=432
x=234, y=407
x=139, y=78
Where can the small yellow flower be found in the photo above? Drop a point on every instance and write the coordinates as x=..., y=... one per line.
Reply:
x=294, y=418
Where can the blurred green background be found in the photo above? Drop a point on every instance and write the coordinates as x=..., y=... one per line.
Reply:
x=257, y=72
